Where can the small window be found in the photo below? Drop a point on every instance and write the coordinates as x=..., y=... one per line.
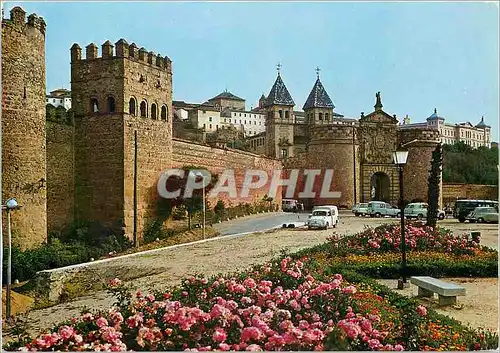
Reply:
x=210, y=119
x=210, y=126
x=94, y=106
x=280, y=112
x=144, y=109
x=320, y=116
x=326, y=116
x=153, y=111
x=131, y=107
x=111, y=105
x=286, y=114
x=163, y=113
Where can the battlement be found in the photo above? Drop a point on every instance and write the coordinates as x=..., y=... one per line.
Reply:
x=419, y=134
x=336, y=132
x=121, y=49
x=18, y=19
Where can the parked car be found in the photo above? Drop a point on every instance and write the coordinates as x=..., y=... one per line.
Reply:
x=464, y=207
x=382, y=209
x=360, y=209
x=323, y=217
x=418, y=210
x=483, y=214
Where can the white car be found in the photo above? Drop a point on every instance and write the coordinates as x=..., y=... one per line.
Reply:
x=323, y=217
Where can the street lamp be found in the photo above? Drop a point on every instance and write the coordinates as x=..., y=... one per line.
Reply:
x=10, y=205
x=400, y=156
x=199, y=174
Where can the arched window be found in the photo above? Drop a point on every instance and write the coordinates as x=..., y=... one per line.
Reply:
x=280, y=112
x=286, y=114
x=320, y=116
x=144, y=109
x=111, y=105
x=326, y=116
x=131, y=106
x=94, y=105
x=163, y=112
x=153, y=111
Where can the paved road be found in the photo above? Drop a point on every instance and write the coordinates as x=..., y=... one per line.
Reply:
x=260, y=222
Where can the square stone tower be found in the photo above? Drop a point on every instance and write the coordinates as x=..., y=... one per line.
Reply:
x=123, y=133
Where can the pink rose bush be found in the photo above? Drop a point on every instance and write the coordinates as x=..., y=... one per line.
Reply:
x=418, y=237
x=284, y=308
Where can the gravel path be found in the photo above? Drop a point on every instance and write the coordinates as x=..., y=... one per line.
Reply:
x=168, y=267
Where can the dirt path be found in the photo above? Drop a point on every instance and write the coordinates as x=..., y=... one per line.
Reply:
x=478, y=308
x=168, y=267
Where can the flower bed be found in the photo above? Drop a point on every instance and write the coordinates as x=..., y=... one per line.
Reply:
x=312, y=301
x=418, y=237
x=282, y=305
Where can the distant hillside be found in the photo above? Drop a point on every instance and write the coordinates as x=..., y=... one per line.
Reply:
x=463, y=164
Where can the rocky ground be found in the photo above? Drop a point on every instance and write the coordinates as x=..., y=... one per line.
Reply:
x=238, y=253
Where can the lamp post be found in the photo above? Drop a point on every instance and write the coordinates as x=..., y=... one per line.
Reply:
x=199, y=174
x=400, y=156
x=10, y=205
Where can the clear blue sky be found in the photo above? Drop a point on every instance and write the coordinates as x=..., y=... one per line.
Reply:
x=420, y=56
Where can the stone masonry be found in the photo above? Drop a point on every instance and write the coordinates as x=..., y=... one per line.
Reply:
x=123, y=141
x=23, y=125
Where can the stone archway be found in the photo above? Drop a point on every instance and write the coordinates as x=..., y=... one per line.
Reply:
x=380, y=187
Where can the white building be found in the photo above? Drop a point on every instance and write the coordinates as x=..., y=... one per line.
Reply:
x=472, y=135
x=59, y=97
x=251, y=122
x=205, y=117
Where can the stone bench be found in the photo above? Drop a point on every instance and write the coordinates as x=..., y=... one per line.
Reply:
x=447, y=292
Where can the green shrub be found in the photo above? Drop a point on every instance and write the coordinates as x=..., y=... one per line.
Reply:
x=179, y=213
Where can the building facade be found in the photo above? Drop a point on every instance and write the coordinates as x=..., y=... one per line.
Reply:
x=60, y=98
x=473, y=135
x=205, y=117
x=352, y=156
x=250, y=122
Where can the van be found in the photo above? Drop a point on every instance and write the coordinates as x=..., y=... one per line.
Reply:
x=418, y=210
x=323, y=217
x=464, y=207
x=289, y=205
x=382, y=209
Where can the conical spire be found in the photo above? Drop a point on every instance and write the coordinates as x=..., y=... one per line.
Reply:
x=378, y=105
x=279, y=94
x=482, y=124
x=318, y=98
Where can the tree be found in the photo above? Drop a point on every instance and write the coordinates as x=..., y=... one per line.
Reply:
x=193, y=203
x=433, y=186
x=464, y=164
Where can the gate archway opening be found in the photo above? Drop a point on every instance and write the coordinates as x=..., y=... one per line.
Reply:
x=380, y=186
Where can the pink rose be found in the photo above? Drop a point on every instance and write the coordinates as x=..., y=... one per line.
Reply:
x=421, y=310
x=100, y=322
x=115, y=282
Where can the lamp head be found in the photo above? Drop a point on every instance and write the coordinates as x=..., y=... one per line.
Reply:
x=400, y=155
x=11, y=204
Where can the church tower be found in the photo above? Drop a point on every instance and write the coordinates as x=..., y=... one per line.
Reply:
x=318, y=107
x=279, y=120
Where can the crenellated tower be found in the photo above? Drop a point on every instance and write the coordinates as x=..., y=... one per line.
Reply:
x=123, y=132
x=23, y=125
x=279, y=120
